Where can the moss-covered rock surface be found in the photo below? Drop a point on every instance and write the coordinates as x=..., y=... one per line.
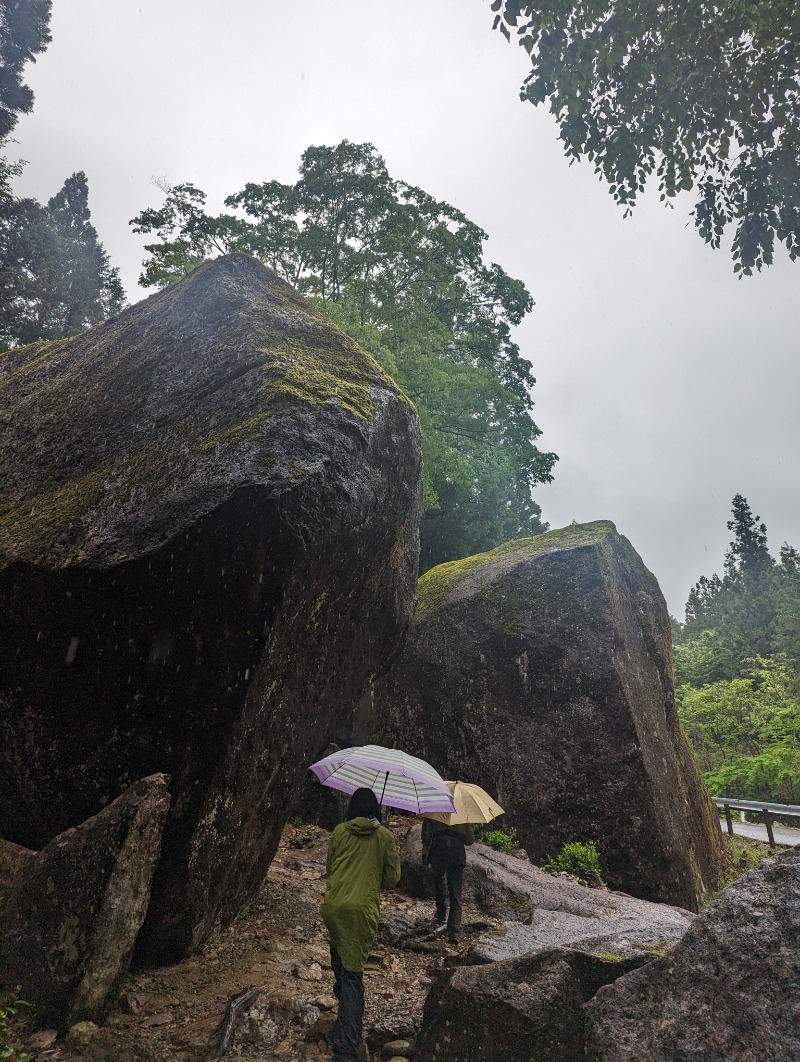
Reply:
x=542, y=671
x=209, y=517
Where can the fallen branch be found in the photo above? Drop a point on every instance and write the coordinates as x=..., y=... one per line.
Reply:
x=233, y=1015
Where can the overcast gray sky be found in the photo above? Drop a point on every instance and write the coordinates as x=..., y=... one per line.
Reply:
x=665, y=385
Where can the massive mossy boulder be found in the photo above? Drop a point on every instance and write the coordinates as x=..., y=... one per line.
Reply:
x=543, y=671
x=209, y=515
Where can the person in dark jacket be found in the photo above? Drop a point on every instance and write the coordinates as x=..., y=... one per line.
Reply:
x=362, y=860
x=444, y=849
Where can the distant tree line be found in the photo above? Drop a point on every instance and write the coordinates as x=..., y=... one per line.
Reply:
x=405, y=275
x=737, y=667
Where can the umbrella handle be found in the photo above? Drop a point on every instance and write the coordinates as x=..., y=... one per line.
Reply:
x=385, y=780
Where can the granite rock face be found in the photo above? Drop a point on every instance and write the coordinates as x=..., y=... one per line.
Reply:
x=70, y=914
x=729, y=990
x=209, y=513
x=543, y=671
x=542, y=911
x=515, y=1011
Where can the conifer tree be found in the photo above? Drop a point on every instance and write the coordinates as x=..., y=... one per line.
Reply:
x=56, y=278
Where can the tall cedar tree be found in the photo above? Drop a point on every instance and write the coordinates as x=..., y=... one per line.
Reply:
x=55, y=277
x=751, y=611
x=404, y=274
x=24, y=33
x=737, y=668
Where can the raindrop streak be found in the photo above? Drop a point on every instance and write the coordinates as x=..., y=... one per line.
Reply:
x=73, y=648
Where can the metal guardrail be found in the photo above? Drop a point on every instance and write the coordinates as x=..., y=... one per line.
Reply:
x=767, y=810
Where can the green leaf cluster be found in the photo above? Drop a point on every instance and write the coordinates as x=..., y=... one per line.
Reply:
x=702, y=95
x=8, y=1011
x=405, y=275
x=24, y=33
x=737, y=668
x=580, y=858
x=500, y=840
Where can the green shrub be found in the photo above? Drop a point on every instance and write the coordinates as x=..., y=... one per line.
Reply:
x=579, y=858
x=501, y=840
x=742, y=854
x=8, y=1011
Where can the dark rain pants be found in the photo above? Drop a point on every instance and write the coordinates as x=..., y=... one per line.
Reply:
x=348, y=1029
x=448, y=882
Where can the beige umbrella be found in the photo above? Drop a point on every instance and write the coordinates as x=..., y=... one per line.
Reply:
x=472, y=804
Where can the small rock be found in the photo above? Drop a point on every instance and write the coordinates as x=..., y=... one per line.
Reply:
x=160, y=1019
x=42, y=1041
x=322, y=1026
x=325, y=1002
x=312, y=972
x=80, y=1034
x=397, y=1049
x=130, y=1003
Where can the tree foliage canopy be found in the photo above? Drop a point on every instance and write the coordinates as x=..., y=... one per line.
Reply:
x=737, y=667
x=55, y=277
x=405, y=275
x=699, y=93
x=746, y=732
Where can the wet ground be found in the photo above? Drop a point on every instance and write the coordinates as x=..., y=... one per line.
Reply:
x=279, y=948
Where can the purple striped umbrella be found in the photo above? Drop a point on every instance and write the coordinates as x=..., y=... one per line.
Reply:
x=397, y=779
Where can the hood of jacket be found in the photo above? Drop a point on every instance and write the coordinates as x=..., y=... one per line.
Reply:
x=362, y=826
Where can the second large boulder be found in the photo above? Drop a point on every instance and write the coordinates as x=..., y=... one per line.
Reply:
x=542, y=670
x=729, y=990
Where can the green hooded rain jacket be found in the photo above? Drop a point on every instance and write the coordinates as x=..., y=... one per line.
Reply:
x=362, y=860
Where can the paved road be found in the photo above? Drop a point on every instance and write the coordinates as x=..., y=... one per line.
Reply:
x=783, y=834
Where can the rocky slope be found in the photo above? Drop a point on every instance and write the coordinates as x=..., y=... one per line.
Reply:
x=279, y=948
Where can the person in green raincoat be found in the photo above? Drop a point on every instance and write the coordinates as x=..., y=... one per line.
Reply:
x=362, y=860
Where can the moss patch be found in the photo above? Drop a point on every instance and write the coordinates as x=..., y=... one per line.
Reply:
x=248, y=429
x=436, y=584
x=32, y=357
x=37, y=521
